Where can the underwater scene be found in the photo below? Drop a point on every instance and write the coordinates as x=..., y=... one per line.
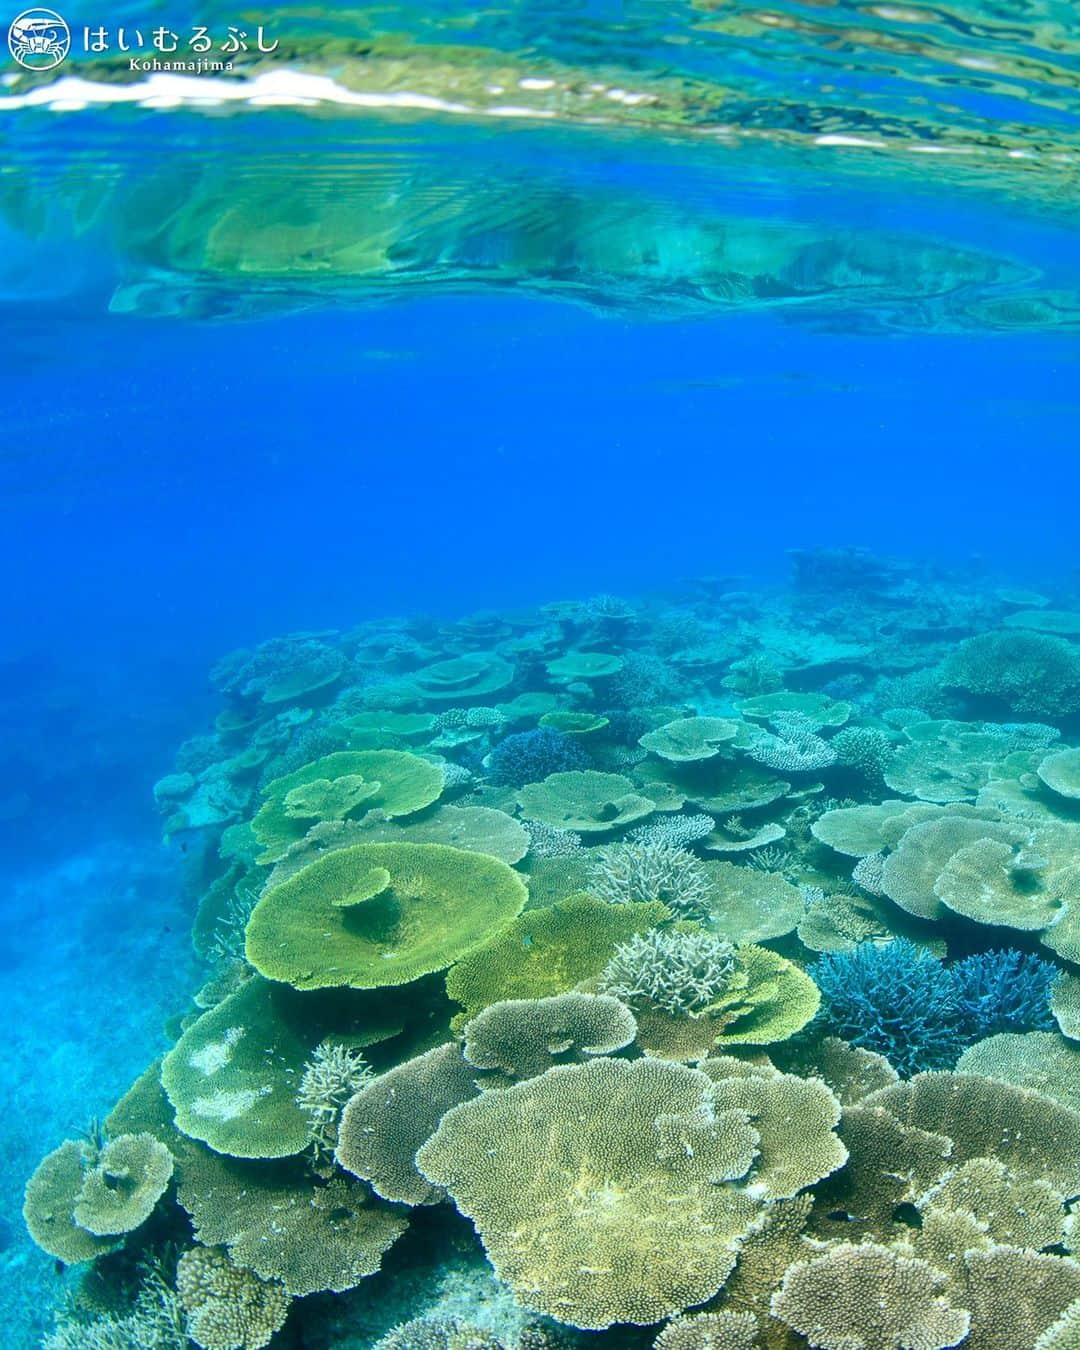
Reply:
x=540, y=676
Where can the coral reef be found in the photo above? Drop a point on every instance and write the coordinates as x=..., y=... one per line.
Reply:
x=713, y=954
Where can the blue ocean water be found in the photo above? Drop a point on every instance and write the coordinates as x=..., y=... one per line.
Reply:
x=216, y=434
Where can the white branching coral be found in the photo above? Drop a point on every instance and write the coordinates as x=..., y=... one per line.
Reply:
x=682, y=973
x=332, y=1075
x=650, y=869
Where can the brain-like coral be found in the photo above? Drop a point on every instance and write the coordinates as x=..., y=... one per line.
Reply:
x=630, y=1212
x=380, y=914
x=227, y=1308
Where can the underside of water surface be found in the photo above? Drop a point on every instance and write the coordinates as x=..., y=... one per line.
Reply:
x=540, y=687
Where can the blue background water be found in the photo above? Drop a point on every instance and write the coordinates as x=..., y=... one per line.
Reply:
x=176, y=490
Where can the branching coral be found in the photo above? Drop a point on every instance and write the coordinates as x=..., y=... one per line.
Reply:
x=895, y=999
x=902, y=1002
x=639, y=871
x=331, y=1076
x=530, y=756
x=682, y=973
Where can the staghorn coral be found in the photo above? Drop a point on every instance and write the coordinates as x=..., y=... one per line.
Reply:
x=825, y=1300
x=530, y=756
x=156, y=1322
x=330, y=1077
x=227, y=1308
x=681, y=973
x=896, y=999
x=900, y=1001
x=635, y=872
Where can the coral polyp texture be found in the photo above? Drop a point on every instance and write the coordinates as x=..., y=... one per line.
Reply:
x=701, y=970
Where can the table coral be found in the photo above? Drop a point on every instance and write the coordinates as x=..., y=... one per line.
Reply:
x=380, y=914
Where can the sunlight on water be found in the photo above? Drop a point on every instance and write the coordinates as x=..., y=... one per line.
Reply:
x=442, y=150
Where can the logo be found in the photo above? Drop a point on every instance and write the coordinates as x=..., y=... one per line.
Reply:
x=39, y=39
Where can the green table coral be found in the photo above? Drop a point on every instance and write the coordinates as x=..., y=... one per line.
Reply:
x=746, y=905
x=579, y=665
x=462, y=678
x=690, y=739
x=814, y=711
x=338, y=786
x=233, y=1076
x=380, y=914
x=548, y=951
x=1061, y=773
x=49, y=1207
x=584, y=801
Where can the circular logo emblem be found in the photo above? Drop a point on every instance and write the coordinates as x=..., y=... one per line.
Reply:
x=39, y=39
